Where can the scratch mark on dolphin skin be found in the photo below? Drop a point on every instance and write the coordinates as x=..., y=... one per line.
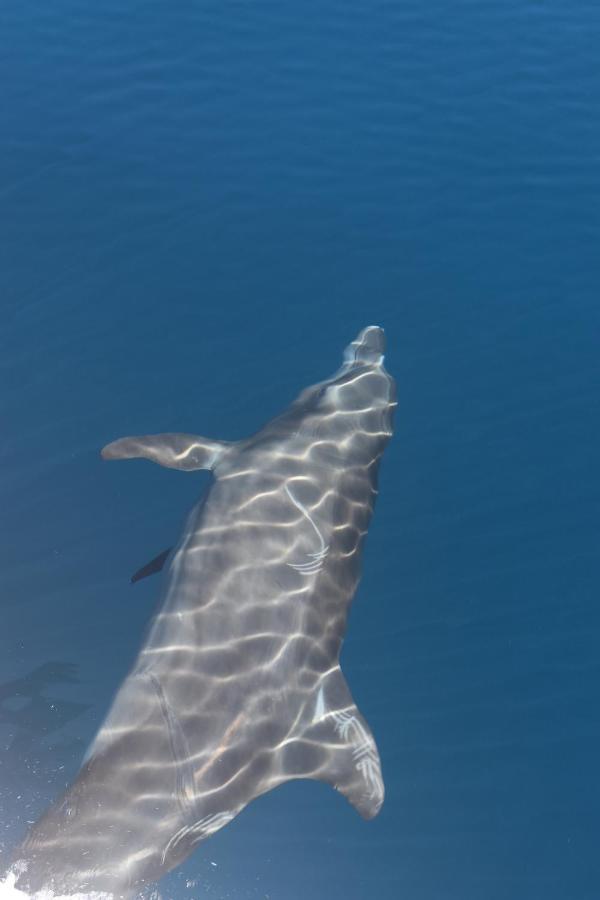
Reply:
x=179, y=748
x=316, y=559
x=364, y=752
x=199, y=830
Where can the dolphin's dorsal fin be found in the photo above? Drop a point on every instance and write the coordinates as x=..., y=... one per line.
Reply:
x=177, y=451
x=334, y=744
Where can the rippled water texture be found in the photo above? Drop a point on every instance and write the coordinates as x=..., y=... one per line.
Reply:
x=202, y=203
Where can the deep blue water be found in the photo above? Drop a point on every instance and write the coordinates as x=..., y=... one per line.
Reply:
x=201, y=204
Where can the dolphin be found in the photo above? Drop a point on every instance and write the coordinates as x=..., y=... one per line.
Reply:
x=237, y=687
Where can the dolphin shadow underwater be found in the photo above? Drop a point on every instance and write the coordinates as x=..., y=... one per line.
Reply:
x=237, y=687
x=32, y=715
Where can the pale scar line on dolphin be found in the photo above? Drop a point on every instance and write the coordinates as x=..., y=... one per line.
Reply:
x=315, y=559
x=237, y=687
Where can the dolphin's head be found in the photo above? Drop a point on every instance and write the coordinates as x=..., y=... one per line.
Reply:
x=354, y=408
x=362, y=389
x=367, y=348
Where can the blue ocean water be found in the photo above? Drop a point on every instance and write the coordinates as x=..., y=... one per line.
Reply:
x=201, y=204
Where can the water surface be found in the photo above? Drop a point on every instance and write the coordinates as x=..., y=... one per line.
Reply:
x=201, y=204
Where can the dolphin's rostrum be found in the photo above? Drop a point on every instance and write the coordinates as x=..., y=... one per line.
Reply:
x=237, y=687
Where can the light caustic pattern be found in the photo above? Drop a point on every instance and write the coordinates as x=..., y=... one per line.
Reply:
x=237, y=687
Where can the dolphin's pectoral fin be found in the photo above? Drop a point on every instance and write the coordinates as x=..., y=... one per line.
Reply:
x=176, y=451
x=155, y=565
x=336, y=746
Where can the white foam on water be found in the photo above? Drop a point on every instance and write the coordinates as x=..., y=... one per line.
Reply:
x=8, y=891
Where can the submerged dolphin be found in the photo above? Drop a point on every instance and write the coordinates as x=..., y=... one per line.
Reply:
x=238, y=686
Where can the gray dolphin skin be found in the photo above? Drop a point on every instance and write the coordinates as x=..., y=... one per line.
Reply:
x=237, y=687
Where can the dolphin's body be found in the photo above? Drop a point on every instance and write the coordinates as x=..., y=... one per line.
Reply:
x=238, y=686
